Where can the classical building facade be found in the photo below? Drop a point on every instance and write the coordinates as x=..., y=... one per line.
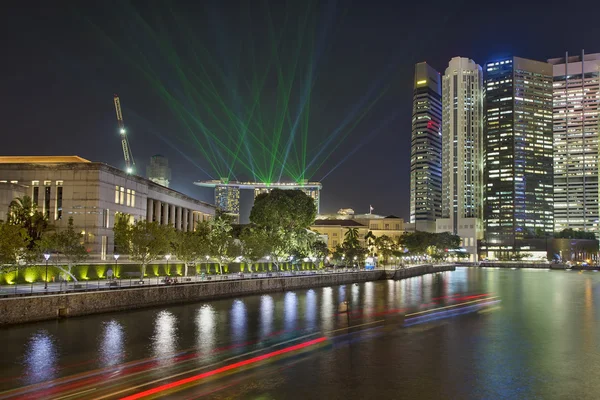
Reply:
x=94, y=194
x=576, y=94
x=335, y=226
x=426, y=149
x=462, y=166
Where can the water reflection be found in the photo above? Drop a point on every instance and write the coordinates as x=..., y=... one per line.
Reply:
x=266, y=315
x=290, y=304
x=238, y=321
x=311, y=309
x=164, y=341
x=327, y=309
x=112, y=350
x=40, y=358
x=205, y=328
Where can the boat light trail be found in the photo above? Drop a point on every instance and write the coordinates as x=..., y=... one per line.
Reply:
x=229, y=367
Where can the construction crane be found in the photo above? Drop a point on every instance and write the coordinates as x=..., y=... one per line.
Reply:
x=129, y=162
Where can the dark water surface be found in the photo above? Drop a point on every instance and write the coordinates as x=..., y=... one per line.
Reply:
x=541, y=341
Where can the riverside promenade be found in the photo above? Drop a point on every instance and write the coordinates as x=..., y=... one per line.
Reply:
x=70, y=300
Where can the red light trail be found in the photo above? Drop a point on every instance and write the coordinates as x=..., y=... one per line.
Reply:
x=229, y=367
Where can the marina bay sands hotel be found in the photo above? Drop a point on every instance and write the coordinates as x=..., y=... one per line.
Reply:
x=227, y=193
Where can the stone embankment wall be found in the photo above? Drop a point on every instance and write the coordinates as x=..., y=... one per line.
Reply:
x=38, y=308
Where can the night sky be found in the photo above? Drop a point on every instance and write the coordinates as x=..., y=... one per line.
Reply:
x=62, y=62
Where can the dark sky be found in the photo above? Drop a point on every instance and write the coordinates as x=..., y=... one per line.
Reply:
x=62, y=62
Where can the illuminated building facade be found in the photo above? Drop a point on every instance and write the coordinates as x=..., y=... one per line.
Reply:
x=95, y=195
x=227, y=199
x=517, y=156
x=426, y=149
x=462, y=115
x=576, y=93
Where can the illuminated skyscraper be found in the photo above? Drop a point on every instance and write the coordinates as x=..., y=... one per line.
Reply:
x=426, y=149
x=462, y=109
x=227, y=198
x=576, y=95
x=517, y=156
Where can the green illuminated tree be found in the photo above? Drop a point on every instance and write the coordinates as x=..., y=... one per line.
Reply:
x=190, y=247
x=13, y=246
x=24, y=212
x=289, y=210
x=223, y=247
x=144, y=241
x=255, y=243
x=66, y=246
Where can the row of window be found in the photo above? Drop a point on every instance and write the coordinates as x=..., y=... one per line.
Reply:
x=58, y=200
x=124, y=196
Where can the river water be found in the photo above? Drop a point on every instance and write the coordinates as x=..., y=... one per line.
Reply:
x=539, y=338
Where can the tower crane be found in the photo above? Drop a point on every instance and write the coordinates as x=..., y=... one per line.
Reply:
x=129, y=162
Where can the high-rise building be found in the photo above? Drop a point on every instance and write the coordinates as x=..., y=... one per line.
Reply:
x=576, y=96
x=462, y=112
x=158, y=171
x=426, y=149
x=227, y=198
x=517, y=157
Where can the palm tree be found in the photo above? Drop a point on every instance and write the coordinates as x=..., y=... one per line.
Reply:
x=370, y=240
x=351, y=235
x=23, y=211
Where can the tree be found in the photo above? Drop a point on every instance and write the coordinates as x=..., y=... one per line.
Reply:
x=13, y=245
x=122, y=233
x=223, y=247
x=65, y=244
x=144, y=241
x=23, y=212
x=370, y=240
x=351, y=235
x=385, y=246
x=255, y=243
x=319, y=251
x=289, y=210
x=191, y=246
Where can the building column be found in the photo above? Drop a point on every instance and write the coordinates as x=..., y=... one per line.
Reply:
x=178, y=224
x=172, y=215
x=156, y=215
x=185, y=220
x=165, y=214
x=191, y=226
x=150, y=210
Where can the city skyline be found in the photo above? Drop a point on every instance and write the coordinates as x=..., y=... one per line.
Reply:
x=82, y=75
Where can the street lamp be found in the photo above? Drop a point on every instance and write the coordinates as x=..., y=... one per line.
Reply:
x=167, y=257
x=116, y=256
x=46, y=256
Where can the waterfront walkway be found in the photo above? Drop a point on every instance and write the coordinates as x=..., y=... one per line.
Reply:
x=39, y=288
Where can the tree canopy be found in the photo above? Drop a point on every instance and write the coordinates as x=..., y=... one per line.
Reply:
x=289, y=210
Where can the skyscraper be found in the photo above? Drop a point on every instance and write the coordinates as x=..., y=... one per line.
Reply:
x=517, y=157
x=462, y=109
x=576, y=96
x=158, y=171
x=426, y=149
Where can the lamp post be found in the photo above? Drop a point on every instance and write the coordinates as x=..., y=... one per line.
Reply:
x=46, y=256
x=168, y=257
x=116, y=256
